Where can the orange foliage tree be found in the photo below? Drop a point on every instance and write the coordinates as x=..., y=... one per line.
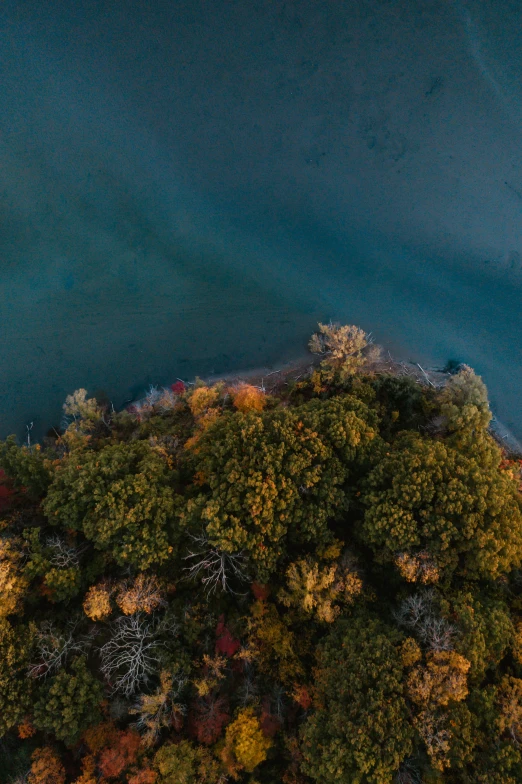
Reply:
x=248, y=398
x=143, y=594
x=46, y=767
x=116, y=758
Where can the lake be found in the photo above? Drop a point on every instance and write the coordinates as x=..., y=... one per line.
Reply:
x=188, y=186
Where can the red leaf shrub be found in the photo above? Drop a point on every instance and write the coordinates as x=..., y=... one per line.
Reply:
x=260, y=591
x=269, y=723
x=208, y=718
x=5, y=491
x=225, y=642
x=302, y=696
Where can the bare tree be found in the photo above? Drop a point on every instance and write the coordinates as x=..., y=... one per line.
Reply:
x=214, y=567
x=54, y=649
x=153, y=395
x=130, y=656
x=408, y=773
x=64, y=555
x=248, y=690
x=415, y=609
x=437, y=634
x=156, y=399
x=279, y=701
x=418, y=613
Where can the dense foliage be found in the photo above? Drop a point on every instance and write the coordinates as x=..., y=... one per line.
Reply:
x=322, y=584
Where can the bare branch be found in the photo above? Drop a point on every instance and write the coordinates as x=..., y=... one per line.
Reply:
x=130, y=656
x=64, y=555
x=248, y=690
x=414, y=609
x=428, y=379
x=160, y=709
x=215, y=567
x=437, y=634
x=408, y=773
x=418, y=613
x=54, y=648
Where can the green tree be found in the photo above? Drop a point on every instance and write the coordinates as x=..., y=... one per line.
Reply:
x=273, y=644
x=464, y=402
x=485, y=629
x=69, y=702
x=403, y=402
x=27, y=467
x=278, y=475
x=497, y=757
x=426, y=495
x=15, y=686
x=185, y=763
x=321, y=590
x=359, y=730
x=63, y=583
x=122, y=497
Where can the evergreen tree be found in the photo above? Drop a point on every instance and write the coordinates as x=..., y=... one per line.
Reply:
x=15, y=686
x=427, y=496
x=359, y=730
x=69, y=702
x=279, y=475
x=121, y=497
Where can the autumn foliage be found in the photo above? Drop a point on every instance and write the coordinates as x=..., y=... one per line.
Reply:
x=97, y=602
x=46, y=767
x=225, y=642
x=320, y=583
x=248, y=398
x=120, y=755
x=246, y=746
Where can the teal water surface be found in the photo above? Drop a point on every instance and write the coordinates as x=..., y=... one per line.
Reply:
x=188, y=186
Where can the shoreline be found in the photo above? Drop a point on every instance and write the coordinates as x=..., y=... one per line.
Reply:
x=271, y=378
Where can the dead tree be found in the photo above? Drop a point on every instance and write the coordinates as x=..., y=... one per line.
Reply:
x=214, y=567
x=418, y=613
x=54, y=649
x=64, y=555
x=130, y=656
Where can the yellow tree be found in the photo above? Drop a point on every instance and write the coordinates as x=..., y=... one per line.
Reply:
x=97, y=602
x=143, y=594
x=13, y=584
x=345, y=349
x=320, y=590
x=245, y=745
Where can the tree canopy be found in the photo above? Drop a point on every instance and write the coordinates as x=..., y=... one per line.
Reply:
x=316, y=582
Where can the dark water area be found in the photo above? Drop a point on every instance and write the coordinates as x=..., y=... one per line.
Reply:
x=186, y=187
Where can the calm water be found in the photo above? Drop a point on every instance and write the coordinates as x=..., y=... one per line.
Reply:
x=187, y=186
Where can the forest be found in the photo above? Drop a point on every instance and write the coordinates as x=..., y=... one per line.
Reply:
x=220, y=584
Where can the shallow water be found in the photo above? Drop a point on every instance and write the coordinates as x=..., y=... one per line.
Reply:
x=187, y=186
